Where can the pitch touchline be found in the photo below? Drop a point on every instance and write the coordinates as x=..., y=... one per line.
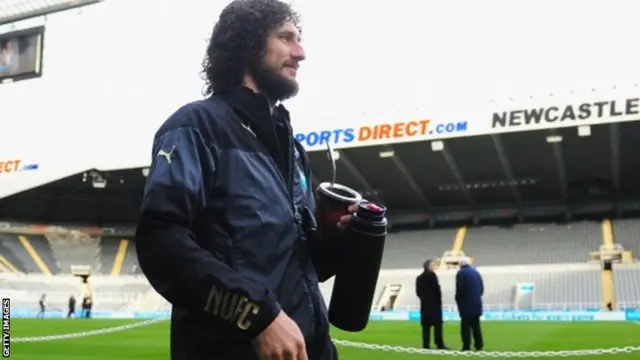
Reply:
x=86, y=333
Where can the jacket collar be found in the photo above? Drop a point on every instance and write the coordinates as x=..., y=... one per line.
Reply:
x=254, y=106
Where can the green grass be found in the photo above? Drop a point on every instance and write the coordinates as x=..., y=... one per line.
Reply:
x=152, y=341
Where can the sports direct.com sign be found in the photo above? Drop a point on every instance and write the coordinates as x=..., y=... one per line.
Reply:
x=382, y=133
x=16, y=165
x=532, y=114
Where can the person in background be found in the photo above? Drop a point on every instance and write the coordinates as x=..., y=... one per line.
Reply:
x=430, y=294
x=41, y=304
x=469, y=291
x=9, y=57
x=89, y=306
x=72, y=307
x=85, y=307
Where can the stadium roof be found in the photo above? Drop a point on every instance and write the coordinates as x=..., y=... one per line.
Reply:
x=513, y=170
x=16, y=10
x=533, y=174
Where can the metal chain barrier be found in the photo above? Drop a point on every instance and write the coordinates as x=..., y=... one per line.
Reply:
x=367, y=346
x=86, y=333
x=489, y=354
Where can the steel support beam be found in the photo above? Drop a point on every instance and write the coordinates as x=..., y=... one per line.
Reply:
x=358, y=175
x=455, y=170
x=614, y=143
x=413, y=184
x=558, y=155
x=506, y=167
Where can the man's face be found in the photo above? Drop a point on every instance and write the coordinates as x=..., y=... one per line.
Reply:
x=275, y=74
x=433, y=266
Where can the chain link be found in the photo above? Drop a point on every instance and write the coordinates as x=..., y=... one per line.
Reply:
x=489, y=354
x=367, y=346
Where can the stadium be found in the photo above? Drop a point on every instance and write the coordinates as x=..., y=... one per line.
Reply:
x=538, y=185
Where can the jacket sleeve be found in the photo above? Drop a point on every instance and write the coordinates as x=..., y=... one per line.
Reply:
x=188, y=276
x=419, y=287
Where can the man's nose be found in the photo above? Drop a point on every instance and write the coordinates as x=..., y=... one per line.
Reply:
x=298, y=53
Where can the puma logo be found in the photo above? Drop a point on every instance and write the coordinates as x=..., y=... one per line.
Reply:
x=166, y=155
x=246, y=127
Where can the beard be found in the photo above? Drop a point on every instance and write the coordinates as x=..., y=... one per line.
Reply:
x=271, y=83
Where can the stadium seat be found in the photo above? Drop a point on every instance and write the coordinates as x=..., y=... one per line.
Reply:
x=533, y=243
x=627, y=233
x=627, y=280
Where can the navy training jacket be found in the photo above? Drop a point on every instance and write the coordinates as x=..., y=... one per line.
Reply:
x=469, y=291
x=226, y=228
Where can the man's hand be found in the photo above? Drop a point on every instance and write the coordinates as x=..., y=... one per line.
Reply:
x=281, y=340
x=346, y=219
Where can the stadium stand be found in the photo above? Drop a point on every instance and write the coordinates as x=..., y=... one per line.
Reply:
x=411, y=248
x=12, y=261
x=505, y=256
x=74, y=248
x=574, y=284
x=108, y=251
x=627, y=234
x=557, y=287
x=627, y=279
x=40, y=251
x=533, y=243
x=130, y=264
x=109, y=293
x=118, y=255
x=22, y=251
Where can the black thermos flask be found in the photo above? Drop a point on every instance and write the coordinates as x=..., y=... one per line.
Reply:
x=355, y=281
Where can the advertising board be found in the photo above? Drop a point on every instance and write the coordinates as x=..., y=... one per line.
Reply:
x=515, y=316
x=555, y=316
x=382, y=133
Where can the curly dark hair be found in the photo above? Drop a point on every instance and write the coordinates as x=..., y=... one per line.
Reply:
x=239, y=40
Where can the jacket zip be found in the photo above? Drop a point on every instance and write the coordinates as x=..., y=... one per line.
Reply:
x=303, y=260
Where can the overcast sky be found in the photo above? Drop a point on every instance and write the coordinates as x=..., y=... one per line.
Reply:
x=122, y=69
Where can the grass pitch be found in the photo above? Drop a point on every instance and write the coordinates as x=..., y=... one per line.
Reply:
x=152, y=341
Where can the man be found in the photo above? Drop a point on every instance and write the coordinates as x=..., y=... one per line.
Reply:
x=227, y=221
x=430, y=294
x=469, y=291
x=88, y=305
x=9, y=58
x=42, y=306
x=72, y=307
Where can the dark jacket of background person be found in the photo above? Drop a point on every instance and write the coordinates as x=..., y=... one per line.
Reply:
x=430, y=294
x=469, y=291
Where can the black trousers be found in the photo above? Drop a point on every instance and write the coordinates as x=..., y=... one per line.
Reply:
x=471, y=326
x=437, y=334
